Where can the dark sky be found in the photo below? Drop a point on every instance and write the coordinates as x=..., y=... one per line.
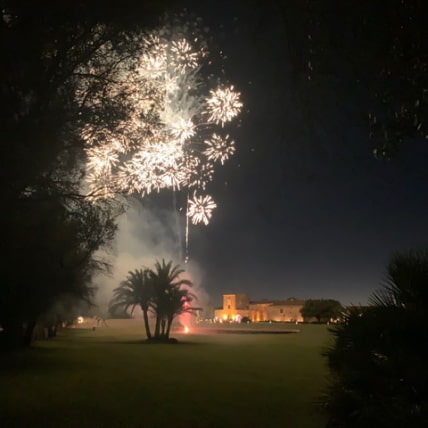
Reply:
x=305, y=209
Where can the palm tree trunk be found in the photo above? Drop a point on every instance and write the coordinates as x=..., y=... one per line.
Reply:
x=157, y=326
x=146, y=323
x=169, y=327
x=163, y=323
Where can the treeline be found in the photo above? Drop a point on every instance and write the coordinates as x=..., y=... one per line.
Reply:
x=323, y=310
x=51, y=232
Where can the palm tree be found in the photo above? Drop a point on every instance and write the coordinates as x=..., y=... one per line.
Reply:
x=169, y=298
x=379, y=356
x=179, y=300
x=135, y=290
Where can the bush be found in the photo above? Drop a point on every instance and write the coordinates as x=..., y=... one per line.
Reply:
x=378, y=359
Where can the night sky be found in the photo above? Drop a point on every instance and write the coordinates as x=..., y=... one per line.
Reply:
x=305, y=209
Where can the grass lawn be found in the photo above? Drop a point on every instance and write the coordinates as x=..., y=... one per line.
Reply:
x=108, y=378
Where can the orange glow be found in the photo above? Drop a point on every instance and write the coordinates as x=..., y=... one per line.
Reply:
x=225, y=317
x=186, y=329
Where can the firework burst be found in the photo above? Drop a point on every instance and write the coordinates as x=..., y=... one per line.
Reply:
x=219, y=148
x=223, y=105
x=169, y=137
x=183, y=56
x=200, y=209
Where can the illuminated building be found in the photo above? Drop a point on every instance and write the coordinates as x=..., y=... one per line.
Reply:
x=237, y=306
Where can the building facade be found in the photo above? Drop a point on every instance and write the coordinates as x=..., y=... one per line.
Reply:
x=237, y=306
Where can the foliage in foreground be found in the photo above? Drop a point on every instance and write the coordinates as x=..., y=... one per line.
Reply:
x=51, y=231
x=158, y=291
x=379, y=355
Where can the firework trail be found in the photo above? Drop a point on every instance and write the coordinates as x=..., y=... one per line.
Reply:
x=171, y=137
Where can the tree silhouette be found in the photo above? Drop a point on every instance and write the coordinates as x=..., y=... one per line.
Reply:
x=157, y=290
x=322, y=309
x=135, y=290
x=169, y=298
x=49, y=227
x=378, y=359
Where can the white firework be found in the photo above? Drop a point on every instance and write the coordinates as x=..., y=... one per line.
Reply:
x=200, y=176
x=183, y=57
x=219, y=149
x=223, y=105
x=101, y=159
x=152, y=66
x=173, y=177
x=183, y=129
x=200, y=209
x=161, y=141
x=153, y=43
x=171, y=84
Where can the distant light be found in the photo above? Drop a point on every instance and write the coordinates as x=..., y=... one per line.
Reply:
x=186, y=329
x=80, y=320
x=225, y=317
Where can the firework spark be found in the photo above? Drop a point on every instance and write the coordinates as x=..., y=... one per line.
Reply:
x=183, y=129
x=183, y=56
x=223, y=105
x=102, y=159
x=200, y=209
x=219, y=149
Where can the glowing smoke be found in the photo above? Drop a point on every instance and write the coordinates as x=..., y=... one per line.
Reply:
x=145, y=234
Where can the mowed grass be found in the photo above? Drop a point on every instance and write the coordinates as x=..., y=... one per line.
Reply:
x=109, y=378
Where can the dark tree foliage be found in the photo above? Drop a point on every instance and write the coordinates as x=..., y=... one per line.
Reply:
x=42, y=47
x=48, y=251
x=135, y=290
x=372, y=51
x=321, y=309
x=386, y=47
x=169, y=298
x=50, y=231
x=378, y=359
x=62, y=313
x=382, y=46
